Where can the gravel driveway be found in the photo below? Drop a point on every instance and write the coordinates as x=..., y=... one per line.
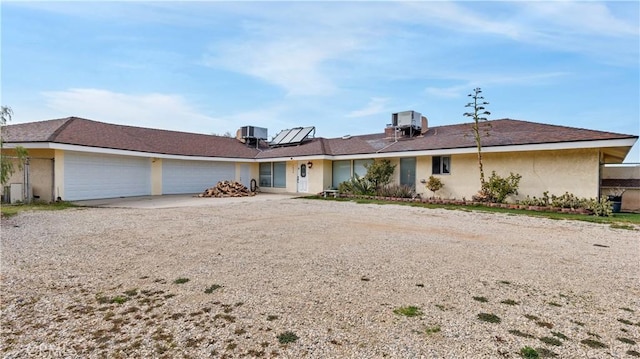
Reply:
x=318, y=279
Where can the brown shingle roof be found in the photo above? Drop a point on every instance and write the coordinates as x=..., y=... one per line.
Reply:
x=77, y=131
x=502, y=133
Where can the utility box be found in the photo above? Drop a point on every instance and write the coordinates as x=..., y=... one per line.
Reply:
x=407, y=119
x=254, y=132
x=16, y=193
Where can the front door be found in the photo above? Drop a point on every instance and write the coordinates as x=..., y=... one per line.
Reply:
x=408, y=172
x=303, y=180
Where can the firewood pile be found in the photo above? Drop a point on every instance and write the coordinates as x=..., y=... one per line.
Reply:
x=227, y=189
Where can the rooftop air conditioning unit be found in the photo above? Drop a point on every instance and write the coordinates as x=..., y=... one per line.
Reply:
x=407, y=119
x=254, y=132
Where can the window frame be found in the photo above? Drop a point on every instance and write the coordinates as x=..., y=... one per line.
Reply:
x=265, y=173
x=279, y=174
x=273, y=174
x=441, y=165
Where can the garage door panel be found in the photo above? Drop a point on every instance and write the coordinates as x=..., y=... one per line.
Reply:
x=194, y=176
x=91, y=176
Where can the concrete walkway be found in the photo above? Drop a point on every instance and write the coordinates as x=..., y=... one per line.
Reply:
x=180, y=200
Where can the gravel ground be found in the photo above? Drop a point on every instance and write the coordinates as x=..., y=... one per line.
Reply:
x=101, y=282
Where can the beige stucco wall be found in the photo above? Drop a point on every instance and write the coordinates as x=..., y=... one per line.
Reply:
x=317, y=176
x=41, y=170
x=573, y=171
x=621, y=172
x=254, y=172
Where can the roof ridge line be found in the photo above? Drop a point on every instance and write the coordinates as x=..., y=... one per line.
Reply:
x=55, y=133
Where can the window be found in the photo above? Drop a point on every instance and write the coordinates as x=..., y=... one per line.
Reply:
x=359, y=168
x=273, y=174
x=280, y=174
x=265, y=174
x=441, y=165
x=346, y=169
x=341, y=172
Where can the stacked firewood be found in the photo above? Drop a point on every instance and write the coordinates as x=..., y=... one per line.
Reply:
x=227, y=189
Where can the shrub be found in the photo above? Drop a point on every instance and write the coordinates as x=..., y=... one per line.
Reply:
x=434, y=184
x=357, y=185
x=567, y=200
x=379, y=173
x=396, y=190
x=600, y=208
x=498, y=188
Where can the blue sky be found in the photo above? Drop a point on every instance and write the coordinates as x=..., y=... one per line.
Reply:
x=343, y=67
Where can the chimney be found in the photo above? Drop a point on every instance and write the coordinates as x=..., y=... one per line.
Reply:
x=425, y=125
x=389, y=131
x=239, y=136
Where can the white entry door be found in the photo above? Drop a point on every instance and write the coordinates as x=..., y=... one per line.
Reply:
x=303, y=179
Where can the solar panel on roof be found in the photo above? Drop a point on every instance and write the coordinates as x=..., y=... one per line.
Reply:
x=302, y=134
x=276, y=140
x=289, y=137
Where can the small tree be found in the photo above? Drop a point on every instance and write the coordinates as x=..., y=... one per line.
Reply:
x=434, y=185
x=6, y=165
x=379, y=173
x=477, y=126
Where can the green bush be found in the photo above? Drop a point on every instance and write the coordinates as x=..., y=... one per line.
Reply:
x=567, y=200
x=357, y=185
x=434, y=184
x=379, y=173
x=498, y=188
x=600, y=208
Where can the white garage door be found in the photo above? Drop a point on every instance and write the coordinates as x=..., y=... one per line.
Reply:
x=194, y=176
x=91, y=176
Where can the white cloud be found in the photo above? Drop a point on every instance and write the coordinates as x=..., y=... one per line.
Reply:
x=301, y=48
x=487, y=80
x=294, y=65
x=593, y=29
x=581, y=18
x=375, y=106
x=154, y=110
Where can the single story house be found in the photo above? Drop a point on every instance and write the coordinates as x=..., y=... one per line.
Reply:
x=77, y=159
